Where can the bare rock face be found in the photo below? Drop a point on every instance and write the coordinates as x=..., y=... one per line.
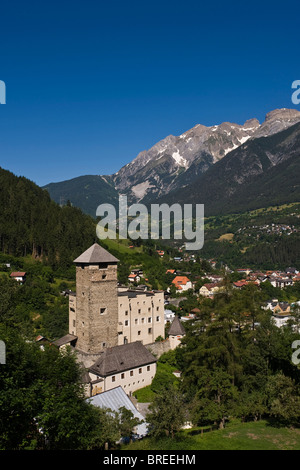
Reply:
x=176, y=160
x=278, y=120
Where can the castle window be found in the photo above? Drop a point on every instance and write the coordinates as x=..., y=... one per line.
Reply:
x=113, y=379
x=139, y=310
x=140, y=370
x=122, y=376
x=149, y=331
x=157, y=318
x=139, y=333
x=136, y=321
x=131, y=373
x=149, y=320
x=103, y=311
x=148, y=368
x=104, y=276
x=126, y=322
x=102, y=265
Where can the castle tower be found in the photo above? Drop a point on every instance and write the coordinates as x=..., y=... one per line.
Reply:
x=95, y=317
x=176, y=333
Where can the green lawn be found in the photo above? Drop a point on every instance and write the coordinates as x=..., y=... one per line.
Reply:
x=236, y=436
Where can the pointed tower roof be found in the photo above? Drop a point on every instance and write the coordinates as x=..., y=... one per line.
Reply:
x=94, y=255
x=176, y=329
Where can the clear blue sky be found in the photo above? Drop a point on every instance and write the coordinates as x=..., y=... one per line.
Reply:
x=90, y=84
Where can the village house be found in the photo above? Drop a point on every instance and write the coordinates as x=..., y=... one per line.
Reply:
x=281, y=318
x=19, y=276
x=281, y=311
x=277, y=307
x=134, y=278
x=243, y=283
x=139, y=272
x=213, y=263
x=281, y=282
x=182, y=283
x=246, y=271
x=296, y=278
x=291, y=271
x=169, y=316
x=209, y=289
x=171, y=271
x=214, y=278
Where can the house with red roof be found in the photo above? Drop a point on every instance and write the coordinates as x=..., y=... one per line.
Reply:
x=19, y=276
x=134, y=277
x=182, y=283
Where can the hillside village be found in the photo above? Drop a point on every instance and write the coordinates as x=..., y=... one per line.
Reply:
x=119, y=331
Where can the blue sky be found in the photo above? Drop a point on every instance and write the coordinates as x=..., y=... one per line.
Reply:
x=91, y=84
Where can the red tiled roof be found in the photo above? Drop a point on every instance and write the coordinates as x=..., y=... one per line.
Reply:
x=180, y=280
x=210, y=285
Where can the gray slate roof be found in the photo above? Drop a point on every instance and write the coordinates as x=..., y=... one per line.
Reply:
x=94, y=255
x=176, y=329
x=64, y=340
x=121, y=358
x=116, y=398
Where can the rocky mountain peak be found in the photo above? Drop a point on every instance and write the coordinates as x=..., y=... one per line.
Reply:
x=283, y=114
x=278, y=120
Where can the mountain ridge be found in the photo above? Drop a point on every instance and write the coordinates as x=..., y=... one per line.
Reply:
x=262, y=172
x=171, y=164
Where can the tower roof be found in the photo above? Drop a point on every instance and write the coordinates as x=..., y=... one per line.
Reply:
x=176, y=329
x=96, y=254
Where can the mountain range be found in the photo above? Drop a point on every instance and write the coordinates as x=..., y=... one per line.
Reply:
x=210, y=165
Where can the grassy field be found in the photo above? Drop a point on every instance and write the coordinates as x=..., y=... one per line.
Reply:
x=121, y=245
x=226, y=236
x=236, y=436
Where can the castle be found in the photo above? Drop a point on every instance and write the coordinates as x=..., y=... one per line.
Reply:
x=112, y=328
x=103, y=315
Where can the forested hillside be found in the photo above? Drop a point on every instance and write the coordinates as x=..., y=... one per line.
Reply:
x=85, y=192
x=31, y=223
